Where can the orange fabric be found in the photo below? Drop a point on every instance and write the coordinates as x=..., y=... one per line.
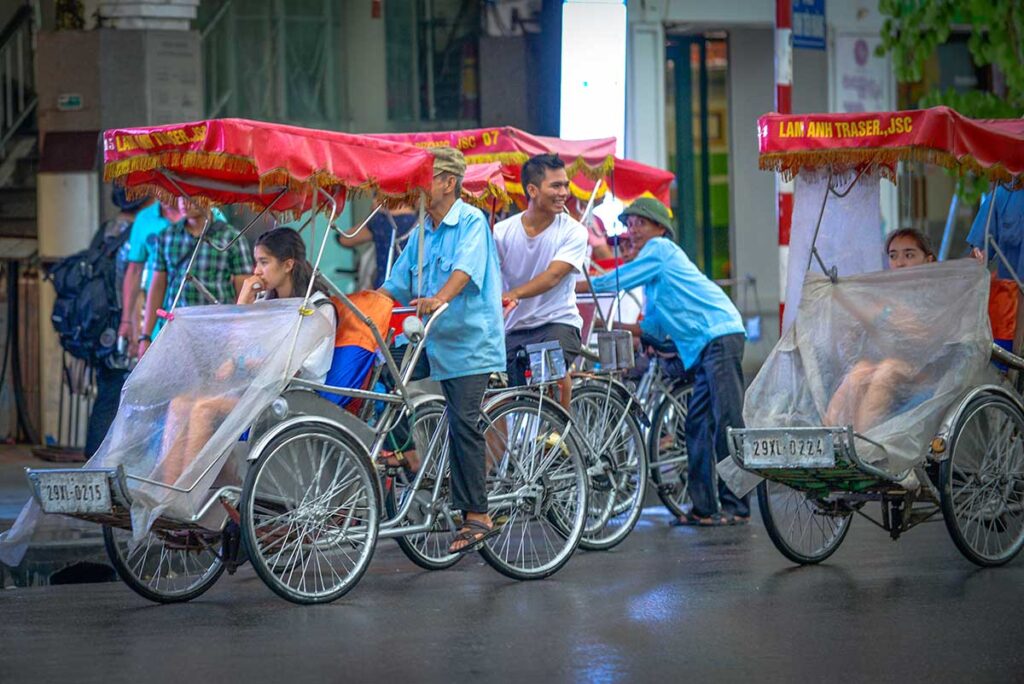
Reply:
x=1003, y=299
x=352, y=331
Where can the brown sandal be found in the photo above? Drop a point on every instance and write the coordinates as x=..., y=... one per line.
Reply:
x=474, y=533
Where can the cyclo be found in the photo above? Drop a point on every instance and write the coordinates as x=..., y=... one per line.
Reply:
x=881, y=388
x=306, y=500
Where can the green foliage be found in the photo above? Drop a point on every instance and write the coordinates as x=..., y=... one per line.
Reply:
x=913, y=30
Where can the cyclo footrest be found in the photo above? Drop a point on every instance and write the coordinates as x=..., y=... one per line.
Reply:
x=804, y=458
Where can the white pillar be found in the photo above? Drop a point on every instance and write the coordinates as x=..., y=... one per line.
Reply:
x=645, y=94
x=68, y=213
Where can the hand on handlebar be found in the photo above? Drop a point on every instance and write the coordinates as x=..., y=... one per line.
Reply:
x=427, y=305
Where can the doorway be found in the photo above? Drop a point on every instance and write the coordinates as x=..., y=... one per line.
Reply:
x=697, y=137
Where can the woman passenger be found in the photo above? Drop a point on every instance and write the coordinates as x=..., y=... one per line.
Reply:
x=281, y=271
x=870, y=388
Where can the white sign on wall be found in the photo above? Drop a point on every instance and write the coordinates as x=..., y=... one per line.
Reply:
x=861, y=81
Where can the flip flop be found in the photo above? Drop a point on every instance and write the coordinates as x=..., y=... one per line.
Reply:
x=689, y=519
x=473, y=532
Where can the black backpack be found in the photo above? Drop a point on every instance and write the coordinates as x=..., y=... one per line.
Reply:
x=87, y=312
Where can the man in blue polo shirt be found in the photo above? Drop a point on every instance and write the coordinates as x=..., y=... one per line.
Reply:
x=467, y=343
x=683, y=304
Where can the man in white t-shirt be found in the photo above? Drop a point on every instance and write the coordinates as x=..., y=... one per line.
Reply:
x=542, y=250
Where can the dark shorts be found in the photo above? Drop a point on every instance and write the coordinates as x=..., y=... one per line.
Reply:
x=567, y=336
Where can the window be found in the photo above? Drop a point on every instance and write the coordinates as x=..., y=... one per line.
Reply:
x=273, y=60
x=432, y=66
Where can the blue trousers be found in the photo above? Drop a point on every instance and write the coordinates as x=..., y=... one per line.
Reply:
x=716, y=404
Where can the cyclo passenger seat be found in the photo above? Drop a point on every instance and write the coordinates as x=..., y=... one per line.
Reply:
x=355, y=347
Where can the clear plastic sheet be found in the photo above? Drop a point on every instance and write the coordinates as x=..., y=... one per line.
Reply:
x=886, y=352
x=208, y=375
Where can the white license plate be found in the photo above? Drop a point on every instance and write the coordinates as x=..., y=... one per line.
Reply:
x=789, y=449
x=84, y=492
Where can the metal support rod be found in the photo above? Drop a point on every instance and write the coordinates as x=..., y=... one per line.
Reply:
x=590, y=205
x=947, y=233
x=817, y=226
x=191, y=261
x=361, y=225
x=1006, y=263
x=988, y=218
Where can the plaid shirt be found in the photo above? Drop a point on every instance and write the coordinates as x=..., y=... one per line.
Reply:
x=213, y=268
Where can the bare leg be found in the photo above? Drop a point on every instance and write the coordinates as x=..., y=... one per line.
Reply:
x=842, y=409
x=877, y=399
x=204, y=416
x=172, y=449
x=565, y=391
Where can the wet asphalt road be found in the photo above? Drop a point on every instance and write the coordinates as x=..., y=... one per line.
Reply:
x=668, y=605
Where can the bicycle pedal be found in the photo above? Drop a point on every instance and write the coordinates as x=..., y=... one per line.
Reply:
x=667, y=488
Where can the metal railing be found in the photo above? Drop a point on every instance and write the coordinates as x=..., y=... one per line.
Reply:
x=17, y=85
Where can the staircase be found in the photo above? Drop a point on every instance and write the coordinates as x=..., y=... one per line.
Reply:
x=18, y=139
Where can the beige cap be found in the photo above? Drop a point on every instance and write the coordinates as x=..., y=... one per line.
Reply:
x=448, y=160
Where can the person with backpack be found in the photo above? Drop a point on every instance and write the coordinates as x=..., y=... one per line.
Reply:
x=149, y=223
x=87, y=312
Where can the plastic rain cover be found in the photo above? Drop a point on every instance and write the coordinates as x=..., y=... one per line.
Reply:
x=886, y=352
x=208, y=375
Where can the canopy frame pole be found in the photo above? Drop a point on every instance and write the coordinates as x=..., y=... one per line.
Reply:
x=988, y=219
x=365, y=320
x=304, y=309
x=831, y=273
x=191, y=261
x=815, y=255
x=421, y=234
x=328, y=199
x=391, y=245
x=361, y=225
x=1006, y=262
x=947, y=232
x=171, y=179
x=590, y=206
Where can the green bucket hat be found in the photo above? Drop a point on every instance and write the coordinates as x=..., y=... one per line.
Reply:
x=652, y=210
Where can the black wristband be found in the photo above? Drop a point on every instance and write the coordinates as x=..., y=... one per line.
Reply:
x=145, y=338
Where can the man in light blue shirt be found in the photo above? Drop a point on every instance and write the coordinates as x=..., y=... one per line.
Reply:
x=467, y=343
x=683, y=304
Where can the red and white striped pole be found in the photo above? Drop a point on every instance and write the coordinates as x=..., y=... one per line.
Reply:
x=784, y=105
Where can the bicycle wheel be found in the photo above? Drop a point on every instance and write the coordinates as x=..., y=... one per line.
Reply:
x=537, y=489
x=310, y=512
x=666, y=449
x=429, y=550
x=982, y=482
x=613, y=443
x=802, y=529
x=168, y=566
